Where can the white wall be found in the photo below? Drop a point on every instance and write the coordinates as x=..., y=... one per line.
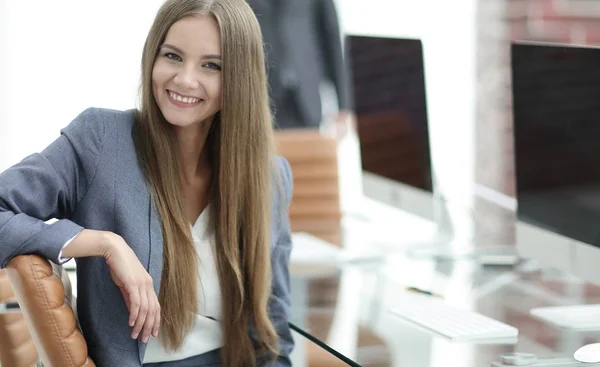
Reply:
x=62, y=57
x=447, y=29
x=3, y=75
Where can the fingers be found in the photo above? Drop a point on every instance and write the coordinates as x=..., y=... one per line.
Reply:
x=134, y=304
x=142, y=314
x=153, y=309
x=157, y=317
x=137, y=287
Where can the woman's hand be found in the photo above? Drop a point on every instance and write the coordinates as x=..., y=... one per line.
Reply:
x=137, y=288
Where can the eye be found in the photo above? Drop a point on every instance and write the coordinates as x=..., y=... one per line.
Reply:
x=212, y=65
x=172, y=56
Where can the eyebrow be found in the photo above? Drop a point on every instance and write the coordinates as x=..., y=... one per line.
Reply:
x=178, y=50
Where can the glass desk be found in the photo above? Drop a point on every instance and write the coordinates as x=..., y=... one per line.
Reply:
x=346, y=308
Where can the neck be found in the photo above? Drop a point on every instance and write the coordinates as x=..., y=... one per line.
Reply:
x=193, y=153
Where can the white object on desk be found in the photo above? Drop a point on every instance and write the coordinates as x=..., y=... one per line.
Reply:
x=308, y=249
x=451, y=322
x=577, y=317
x=588, y=353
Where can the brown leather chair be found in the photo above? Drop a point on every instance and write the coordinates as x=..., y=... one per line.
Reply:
x=315, y=206
x=44, y=295
x=16, y=345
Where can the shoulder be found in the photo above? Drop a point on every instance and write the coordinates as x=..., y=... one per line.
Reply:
x=93, y=130
x=96, y=122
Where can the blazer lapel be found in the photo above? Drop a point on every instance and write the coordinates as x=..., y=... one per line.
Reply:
x=155, y=256
x=156, y=246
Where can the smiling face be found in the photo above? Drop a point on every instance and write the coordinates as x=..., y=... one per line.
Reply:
x=186, y=76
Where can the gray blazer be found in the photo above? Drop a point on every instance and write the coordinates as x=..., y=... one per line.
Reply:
x=303, y=48
x=90, y=178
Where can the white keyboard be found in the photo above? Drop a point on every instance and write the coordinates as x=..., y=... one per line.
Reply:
x=451, y=322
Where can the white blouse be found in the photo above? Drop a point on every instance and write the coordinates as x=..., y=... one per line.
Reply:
x=206, y=334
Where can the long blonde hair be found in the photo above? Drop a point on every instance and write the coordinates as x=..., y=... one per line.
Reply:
x=240, y=145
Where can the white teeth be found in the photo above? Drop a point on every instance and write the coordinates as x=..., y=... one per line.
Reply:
x=181, y=99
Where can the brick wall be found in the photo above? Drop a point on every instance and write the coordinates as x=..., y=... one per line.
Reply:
x=568, y=21
x=498, y=23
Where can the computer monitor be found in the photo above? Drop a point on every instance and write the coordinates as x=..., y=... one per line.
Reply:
x=388, y=82
x=556, y=107
x=390, y=102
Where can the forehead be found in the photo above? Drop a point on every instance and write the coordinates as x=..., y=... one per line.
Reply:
x=195, y=34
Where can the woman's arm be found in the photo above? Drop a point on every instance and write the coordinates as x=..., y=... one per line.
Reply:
x=129, y=275
x=49, y=185
x=279, y=304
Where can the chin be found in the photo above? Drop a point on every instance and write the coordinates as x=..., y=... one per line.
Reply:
x=180, y=122
x=177, y=119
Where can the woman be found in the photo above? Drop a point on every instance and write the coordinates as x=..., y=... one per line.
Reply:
x=176, y=213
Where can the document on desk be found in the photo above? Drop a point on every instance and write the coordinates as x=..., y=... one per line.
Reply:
x=308, y=249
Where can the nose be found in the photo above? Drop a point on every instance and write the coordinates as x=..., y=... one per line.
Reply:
x=187, y=78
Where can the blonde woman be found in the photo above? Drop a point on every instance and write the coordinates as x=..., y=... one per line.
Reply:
x=177, y=212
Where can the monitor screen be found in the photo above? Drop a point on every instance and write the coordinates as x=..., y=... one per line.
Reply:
x=390, y=105
x=556, y=106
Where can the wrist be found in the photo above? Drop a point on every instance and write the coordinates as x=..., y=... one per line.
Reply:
x=108, y=243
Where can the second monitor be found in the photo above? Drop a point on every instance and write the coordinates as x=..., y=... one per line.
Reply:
x=390, y=101
x=388, y=82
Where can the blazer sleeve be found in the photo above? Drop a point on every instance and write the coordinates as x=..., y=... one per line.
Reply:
x=49, y=185
x=335, y=65
x=279, y=304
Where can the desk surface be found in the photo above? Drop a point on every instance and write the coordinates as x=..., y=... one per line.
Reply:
x=346, y=307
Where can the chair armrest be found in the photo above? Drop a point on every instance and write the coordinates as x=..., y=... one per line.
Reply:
x=16, y=346
x=52, y=323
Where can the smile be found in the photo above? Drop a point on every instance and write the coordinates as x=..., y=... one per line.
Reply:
x=182, y=99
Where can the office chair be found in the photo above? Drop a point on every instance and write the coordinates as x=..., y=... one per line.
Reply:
x=315, y=206
x=16, y=345
x=43, y=292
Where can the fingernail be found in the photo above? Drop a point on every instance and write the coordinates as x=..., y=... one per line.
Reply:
x=145, y=341
x=131, y=322
x=135, y=336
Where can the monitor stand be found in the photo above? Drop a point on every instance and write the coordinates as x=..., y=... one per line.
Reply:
x=448, y=246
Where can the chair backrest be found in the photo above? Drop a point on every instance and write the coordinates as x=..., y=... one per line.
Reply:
x=315, y=206
x=16, y=346
x=39, y=289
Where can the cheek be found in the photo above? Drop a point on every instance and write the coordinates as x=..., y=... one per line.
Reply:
x=216, y=91
x=159, y=77
x=155, y=84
